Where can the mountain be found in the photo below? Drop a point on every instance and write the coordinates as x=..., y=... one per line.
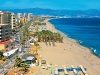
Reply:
x=72, y=13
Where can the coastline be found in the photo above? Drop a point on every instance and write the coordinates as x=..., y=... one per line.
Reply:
x=68, y=53
x=73, y=40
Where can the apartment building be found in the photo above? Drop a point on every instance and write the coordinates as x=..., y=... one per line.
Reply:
x=25, y=15
x=13, y=21
x=30, y=15
x=19, y=15
x=6, y=43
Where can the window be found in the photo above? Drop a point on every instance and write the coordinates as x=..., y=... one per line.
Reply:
x=1, y=34
x=12, y=44
x=1, y=27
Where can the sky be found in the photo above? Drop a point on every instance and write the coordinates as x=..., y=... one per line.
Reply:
x=51, y=4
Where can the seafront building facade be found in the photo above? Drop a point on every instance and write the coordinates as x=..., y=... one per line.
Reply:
x=8, y=22
x=21, y=18
x=6, y=43
x=19, y=15
x=30, y=15
x=13, y=21
x=25, y=15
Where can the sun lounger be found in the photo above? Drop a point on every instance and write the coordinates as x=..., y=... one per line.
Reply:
x=83, y=70
x=56, y=69
x=43, y=66
x=56, y=72
x=60, y=70
x=52, y=70
x=65, y=71
x=74, y=70
x=49, y=66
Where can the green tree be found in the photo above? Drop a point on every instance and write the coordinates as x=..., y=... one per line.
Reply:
x=4, y=58
x=18, y=62
x=1, y=55
x=20, y=24
x=24, y=66
x=37, y=46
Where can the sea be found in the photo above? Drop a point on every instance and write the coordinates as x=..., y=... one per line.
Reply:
x=85, y=30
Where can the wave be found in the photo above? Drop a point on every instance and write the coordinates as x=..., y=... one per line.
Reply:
x=86, y=34
x=95, y=51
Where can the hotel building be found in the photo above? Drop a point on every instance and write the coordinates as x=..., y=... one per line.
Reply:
x=30, y=15
x=13, y=21
x=25, y=15
x=6, y=43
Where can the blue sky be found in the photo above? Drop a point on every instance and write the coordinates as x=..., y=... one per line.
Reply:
x=52, y=4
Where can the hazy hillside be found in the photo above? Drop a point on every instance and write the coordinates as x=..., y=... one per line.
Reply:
x=73, y=13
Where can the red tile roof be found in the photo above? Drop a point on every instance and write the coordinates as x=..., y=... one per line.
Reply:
x=5, y=42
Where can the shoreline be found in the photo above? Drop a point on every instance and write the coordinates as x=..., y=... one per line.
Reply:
x=73, y=40
x=68, y=53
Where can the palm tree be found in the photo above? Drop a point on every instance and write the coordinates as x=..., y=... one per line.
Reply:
x=18, y=62
x=22, y=43
x=1, y=55
x=27, y=33
x=24, y=67
x=53, y=40
x=37, y=28
x=20, y=24
x=48, y=37
x=37, y=47
x=23, y=32
x=49, y=40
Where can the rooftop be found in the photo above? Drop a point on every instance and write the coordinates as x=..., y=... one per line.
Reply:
x=10, y=52
x=28, y=56
x=5, y=42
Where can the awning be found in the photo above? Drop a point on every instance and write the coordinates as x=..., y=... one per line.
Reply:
x=10, y=52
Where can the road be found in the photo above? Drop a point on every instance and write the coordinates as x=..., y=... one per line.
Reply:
x=7, y=66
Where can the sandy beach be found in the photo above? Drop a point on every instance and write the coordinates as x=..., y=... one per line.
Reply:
x=69, y=53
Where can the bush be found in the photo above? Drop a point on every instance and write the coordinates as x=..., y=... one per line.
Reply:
x=4, y=58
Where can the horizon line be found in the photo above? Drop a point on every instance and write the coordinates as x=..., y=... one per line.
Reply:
x=48, y=8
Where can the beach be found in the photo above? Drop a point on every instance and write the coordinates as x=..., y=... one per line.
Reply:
x=69, y=53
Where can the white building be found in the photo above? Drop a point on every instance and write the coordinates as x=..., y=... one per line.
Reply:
x=19, y=15
x=30, y=15
x=13, y=21
x=24, y=15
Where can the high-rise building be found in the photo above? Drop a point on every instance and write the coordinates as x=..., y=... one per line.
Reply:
x=13, y=21
x=5, y=31
x=25, y=15
x=30, y=15
x=19, y=15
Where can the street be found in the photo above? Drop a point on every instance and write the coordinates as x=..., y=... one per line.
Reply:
x=8, y=65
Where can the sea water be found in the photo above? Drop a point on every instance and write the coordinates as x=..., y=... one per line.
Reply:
x=85, y=30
